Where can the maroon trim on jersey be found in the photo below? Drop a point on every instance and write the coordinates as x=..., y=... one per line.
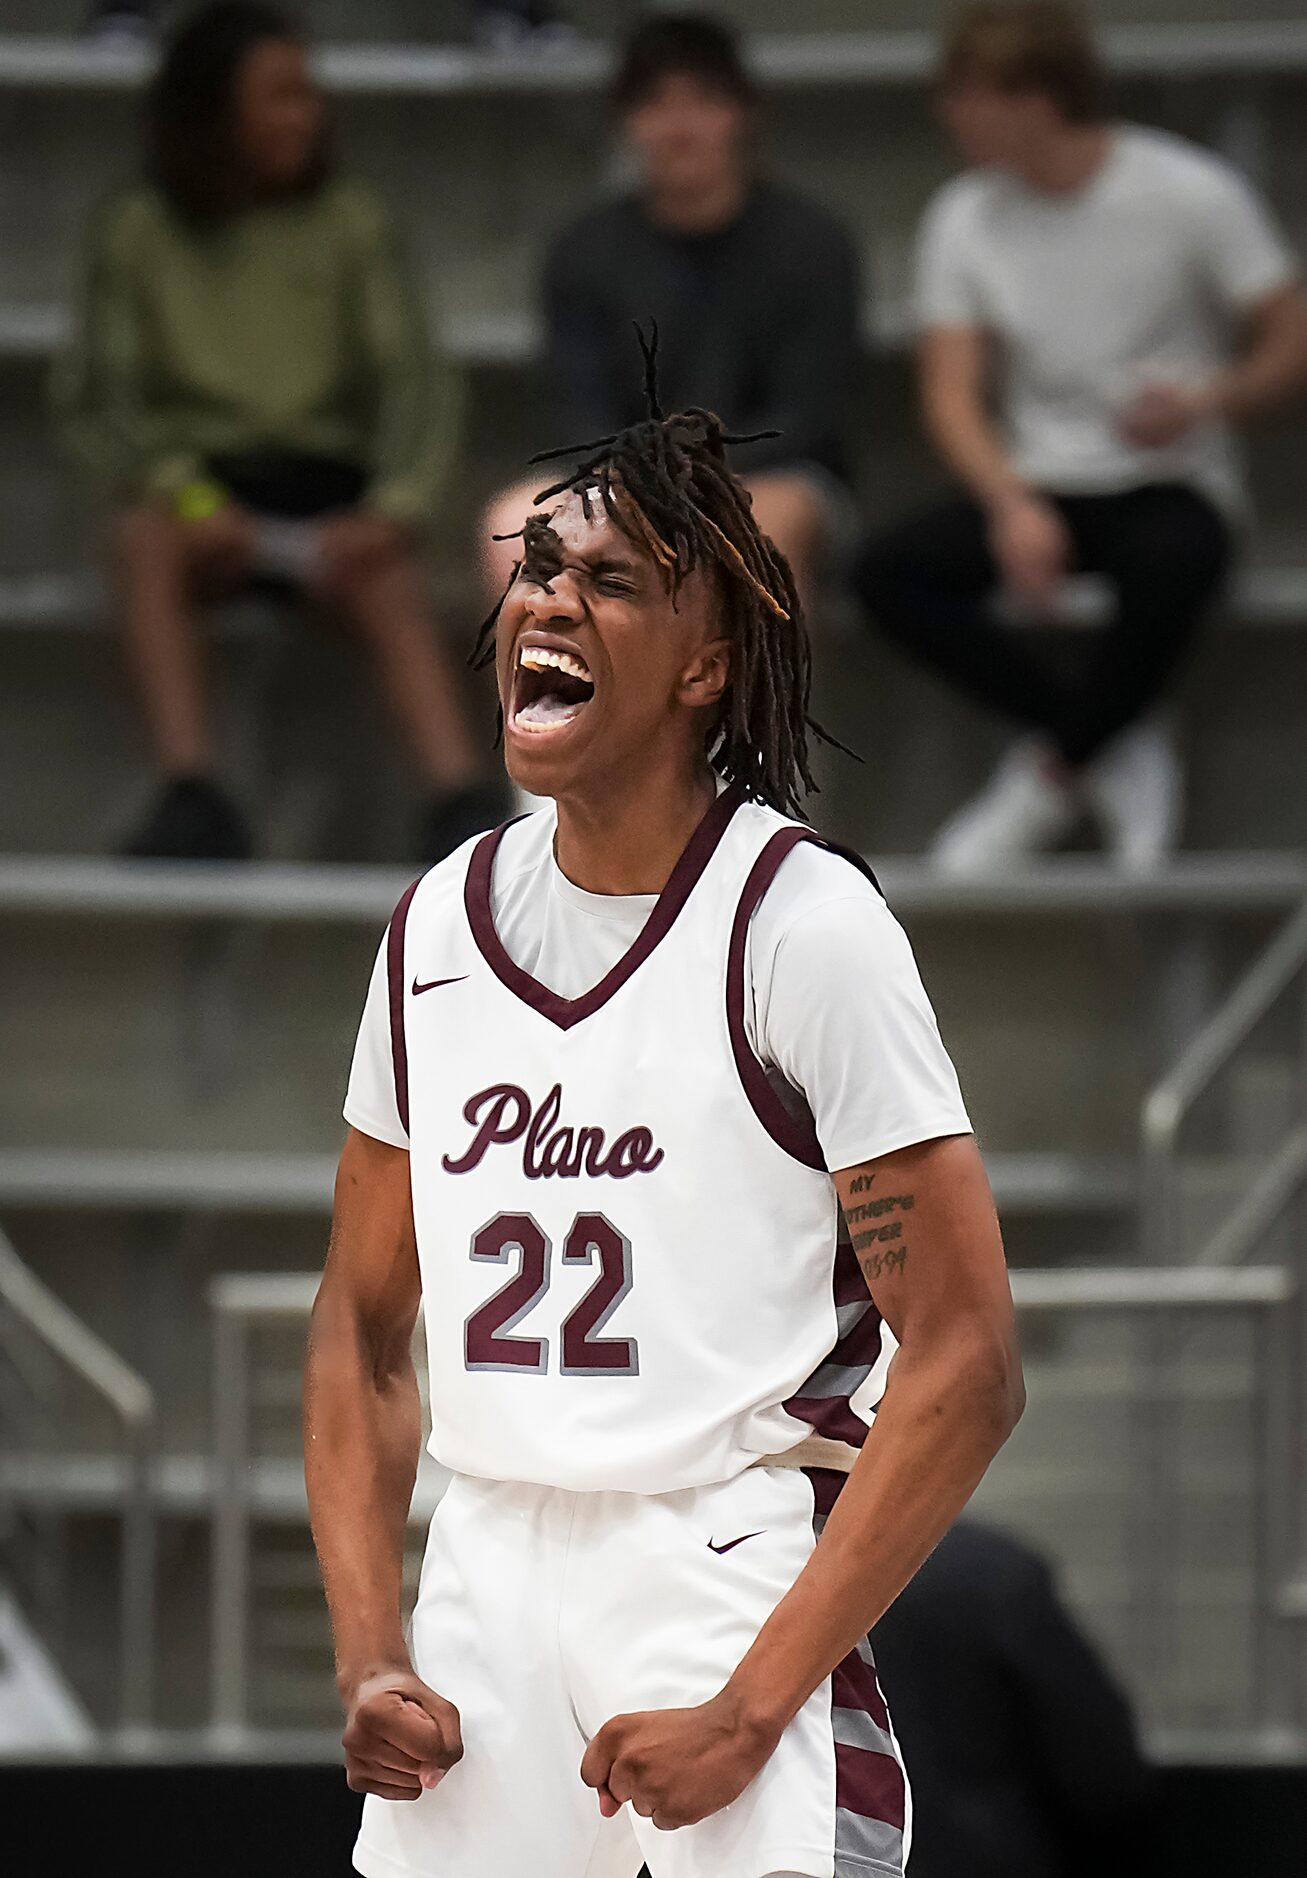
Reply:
x=858, y=1349
x=850, y=1285
x=828, y=1415
x=824, y=1400
x=825, y=1413
x=395, y=987
x=854, y=859
x=861, y=1347
x=565, y=1012
x=793, y=1133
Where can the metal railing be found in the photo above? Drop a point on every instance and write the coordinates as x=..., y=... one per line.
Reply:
x=242, y=1304
x=347, y=894
x=1167, y=1293
x=886, y=56
x=34, y=1312
x=239, y=1303
x=1170, y=1104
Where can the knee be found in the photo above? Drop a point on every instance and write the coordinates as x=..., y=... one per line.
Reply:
x=499, y=546
x=143, y=531
x=378, y=594
x=789, y=511
x=1187, y=547
x=501, y=522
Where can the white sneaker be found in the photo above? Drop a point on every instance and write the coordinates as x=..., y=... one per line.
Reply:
x=1022, y=809
x=1136, y=788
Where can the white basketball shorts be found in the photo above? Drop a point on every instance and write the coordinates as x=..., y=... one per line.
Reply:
x=542, y=1614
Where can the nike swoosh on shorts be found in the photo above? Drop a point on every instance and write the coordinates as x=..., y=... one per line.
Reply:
x=732, y=1543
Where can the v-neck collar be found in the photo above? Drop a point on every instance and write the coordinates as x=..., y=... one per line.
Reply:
x=564, y=1012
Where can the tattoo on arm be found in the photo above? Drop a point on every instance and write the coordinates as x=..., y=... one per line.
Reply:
x=880, y=1264
x=879, y=1249
x=877, y=1235
x=876, y=1209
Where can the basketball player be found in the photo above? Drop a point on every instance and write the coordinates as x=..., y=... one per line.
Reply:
x=622, y=1064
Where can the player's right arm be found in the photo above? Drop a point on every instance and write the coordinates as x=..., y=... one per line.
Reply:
x=362, y=1435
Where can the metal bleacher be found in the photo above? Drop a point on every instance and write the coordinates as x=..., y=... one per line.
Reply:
x=166, y=1236
x=174, y=1041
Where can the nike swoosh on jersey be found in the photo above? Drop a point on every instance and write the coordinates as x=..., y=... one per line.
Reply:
x=435, y=983
x=732, y=1543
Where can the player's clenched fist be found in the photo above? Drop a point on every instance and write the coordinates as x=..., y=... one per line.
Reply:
x=676, y=1765
x=400, y=1736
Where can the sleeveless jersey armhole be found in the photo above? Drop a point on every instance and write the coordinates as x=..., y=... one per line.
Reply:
x=793, y=1131
x=395, y=989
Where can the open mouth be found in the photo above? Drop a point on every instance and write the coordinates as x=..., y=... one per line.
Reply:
x=550, y=688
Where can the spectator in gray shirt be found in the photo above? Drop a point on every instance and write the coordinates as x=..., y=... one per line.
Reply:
x=1098, y=305
x=754, y=290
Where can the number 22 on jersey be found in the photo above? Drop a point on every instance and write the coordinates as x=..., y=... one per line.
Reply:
x=487, y=1339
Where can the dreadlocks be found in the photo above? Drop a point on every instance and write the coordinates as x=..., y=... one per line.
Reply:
x=665, y=484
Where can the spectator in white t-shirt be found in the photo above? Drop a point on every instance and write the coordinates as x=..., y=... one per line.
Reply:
x=1097, y=304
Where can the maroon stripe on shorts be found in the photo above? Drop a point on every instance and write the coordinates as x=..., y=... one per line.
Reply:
x=870, y=1789
x=825, y=1483
x=869, y=1784
x=853, y=1684
x=395, y=987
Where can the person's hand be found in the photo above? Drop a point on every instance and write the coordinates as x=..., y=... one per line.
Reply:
x=401, y=1738
x=222, y=542
x=1158, y=415
x=1032, y=546
x=676, y=1765
x=351, y=543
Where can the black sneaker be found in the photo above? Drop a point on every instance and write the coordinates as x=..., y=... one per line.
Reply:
x=455, y=815
x=193, y=820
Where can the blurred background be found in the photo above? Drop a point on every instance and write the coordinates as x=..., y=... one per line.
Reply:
x=1130, y=1028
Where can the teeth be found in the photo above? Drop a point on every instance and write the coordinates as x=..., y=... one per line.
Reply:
x=540, y=658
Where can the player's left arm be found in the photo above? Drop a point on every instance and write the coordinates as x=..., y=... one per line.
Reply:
x=925, y=1233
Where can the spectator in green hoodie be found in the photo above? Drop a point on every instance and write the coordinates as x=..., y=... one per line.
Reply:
x=252, y=387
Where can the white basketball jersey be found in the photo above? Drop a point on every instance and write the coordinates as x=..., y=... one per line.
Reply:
x=628, y=1240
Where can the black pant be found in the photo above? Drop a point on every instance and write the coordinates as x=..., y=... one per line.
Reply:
x=1164, y=549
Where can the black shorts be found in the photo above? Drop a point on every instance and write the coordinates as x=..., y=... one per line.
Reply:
x=287, y=484
x=281, y=487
